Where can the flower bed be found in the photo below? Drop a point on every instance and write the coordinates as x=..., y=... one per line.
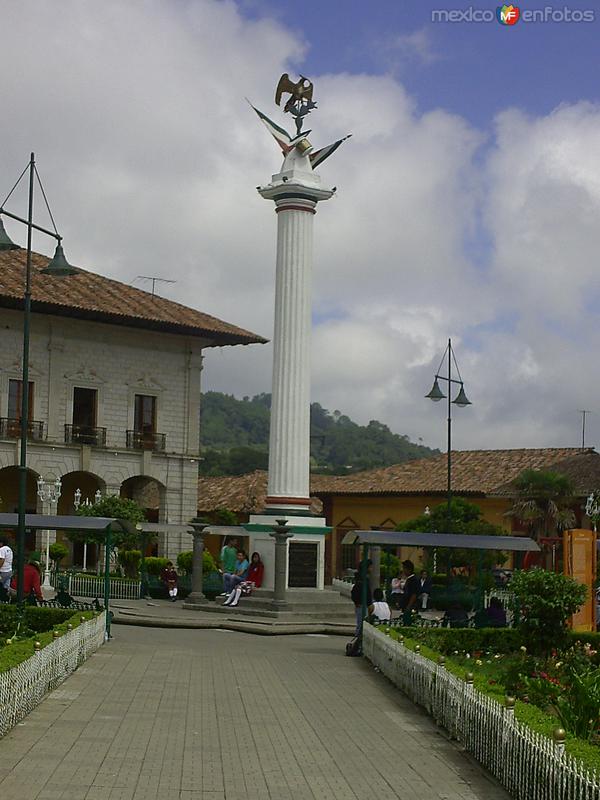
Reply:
x=32, y=666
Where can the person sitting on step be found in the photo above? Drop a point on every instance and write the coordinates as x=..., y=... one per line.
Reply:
x=379, y=609
x=253, y=581
x=232, y=579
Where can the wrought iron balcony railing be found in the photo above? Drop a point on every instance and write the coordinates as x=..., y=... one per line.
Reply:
x=85, y=434
x=10, y=428
x=146, y=440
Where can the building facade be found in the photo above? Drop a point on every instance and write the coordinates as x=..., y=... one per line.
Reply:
x=383, y=499
x=114, y=393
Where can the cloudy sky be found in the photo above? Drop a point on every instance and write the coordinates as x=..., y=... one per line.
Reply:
x=468, y=198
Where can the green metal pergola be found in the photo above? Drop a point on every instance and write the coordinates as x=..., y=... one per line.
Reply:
x=458, y=541
x=71, y=522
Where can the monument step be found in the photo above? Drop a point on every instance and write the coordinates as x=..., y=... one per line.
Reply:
x=290, y=614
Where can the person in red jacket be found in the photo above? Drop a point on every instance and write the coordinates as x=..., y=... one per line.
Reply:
x=256, y=571
x=254, y=580
x=31, y=581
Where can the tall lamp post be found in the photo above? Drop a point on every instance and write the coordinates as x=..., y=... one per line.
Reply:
x=86, y=503
x=460, y=400
x=57, y=267
x=48, y=493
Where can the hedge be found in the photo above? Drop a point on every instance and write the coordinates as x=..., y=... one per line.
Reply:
x=447, y=640
x=37, y=619
x=22, y=649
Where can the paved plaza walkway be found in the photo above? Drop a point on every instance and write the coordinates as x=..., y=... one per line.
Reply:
x=217, y=715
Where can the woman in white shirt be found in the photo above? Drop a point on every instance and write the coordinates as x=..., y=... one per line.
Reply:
x=379, y=608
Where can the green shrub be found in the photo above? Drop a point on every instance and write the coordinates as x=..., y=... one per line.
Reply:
x=184, y=562
x=470, y=640
x=155, y=565
x=36, y=619
x=130, y=561
x=58, y=551
x=444, y=599
x=23, y=648
x=389, y=566
x=547, y=600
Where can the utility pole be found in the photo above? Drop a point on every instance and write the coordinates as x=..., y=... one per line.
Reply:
x=584, y=412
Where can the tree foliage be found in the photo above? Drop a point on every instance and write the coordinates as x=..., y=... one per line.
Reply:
x=544, y=502
x=235, y=439
x=465, y=518
x=119, y=508
x=57, y=551
x=547, y=600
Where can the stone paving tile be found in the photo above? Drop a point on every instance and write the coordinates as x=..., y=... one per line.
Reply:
x=196, y=715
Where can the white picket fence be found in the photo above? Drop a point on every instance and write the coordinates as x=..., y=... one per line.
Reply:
x=24, y=686
x=92, y=586
x=530, y=766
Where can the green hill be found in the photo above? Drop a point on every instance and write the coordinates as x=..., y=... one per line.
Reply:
x=234, y=437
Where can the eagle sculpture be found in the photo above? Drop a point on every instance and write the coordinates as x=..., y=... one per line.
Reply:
x=300, y=92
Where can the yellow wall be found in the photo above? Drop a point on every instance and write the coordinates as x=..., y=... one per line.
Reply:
x=388, y=511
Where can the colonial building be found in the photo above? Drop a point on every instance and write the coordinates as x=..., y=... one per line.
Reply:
x=384, y=498
x=114, y=391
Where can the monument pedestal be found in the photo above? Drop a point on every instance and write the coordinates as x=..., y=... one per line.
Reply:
x=306, y=549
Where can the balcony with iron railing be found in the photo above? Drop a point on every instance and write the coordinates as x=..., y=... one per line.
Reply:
x=85, y=434
x=10, y=428
x=146, y=440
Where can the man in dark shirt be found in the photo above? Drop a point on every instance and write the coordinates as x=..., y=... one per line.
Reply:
x=357, y=597
x=412, y=588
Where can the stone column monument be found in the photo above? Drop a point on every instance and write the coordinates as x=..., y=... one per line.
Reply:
x=295, y=190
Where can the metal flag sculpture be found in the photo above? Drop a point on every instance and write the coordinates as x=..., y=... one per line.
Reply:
x=299, y=104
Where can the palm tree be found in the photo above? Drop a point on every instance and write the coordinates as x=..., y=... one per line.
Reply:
x=543, y=502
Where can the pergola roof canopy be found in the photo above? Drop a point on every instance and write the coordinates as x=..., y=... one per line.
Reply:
x=454, y=540
x=60, y=522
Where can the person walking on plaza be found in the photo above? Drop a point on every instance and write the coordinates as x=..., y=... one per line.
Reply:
x=169, y=577
x=6, y=561
x=425, y=586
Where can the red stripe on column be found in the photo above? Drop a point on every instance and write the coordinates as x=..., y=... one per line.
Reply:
x=295, y=208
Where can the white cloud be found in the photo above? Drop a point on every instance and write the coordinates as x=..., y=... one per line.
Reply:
x=150, y=156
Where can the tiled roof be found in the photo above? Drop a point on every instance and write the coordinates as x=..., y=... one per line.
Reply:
x=475, y=472
x=245, y=494
x=90, y=296
x=582, y=469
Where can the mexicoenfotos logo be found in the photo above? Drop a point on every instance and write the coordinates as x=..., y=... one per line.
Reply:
x=508, y=15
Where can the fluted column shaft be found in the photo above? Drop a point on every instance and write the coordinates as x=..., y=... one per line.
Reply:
x=289, y=444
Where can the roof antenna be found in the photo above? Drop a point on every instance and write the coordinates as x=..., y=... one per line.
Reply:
x=154, y=281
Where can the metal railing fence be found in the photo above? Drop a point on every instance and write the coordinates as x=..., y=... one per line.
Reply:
x=529, y=765
x=93, y=586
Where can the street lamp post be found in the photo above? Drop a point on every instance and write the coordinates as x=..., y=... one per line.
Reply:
x=87, y=503
x=48, y=493
x=57, y=267
x=460, y=400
